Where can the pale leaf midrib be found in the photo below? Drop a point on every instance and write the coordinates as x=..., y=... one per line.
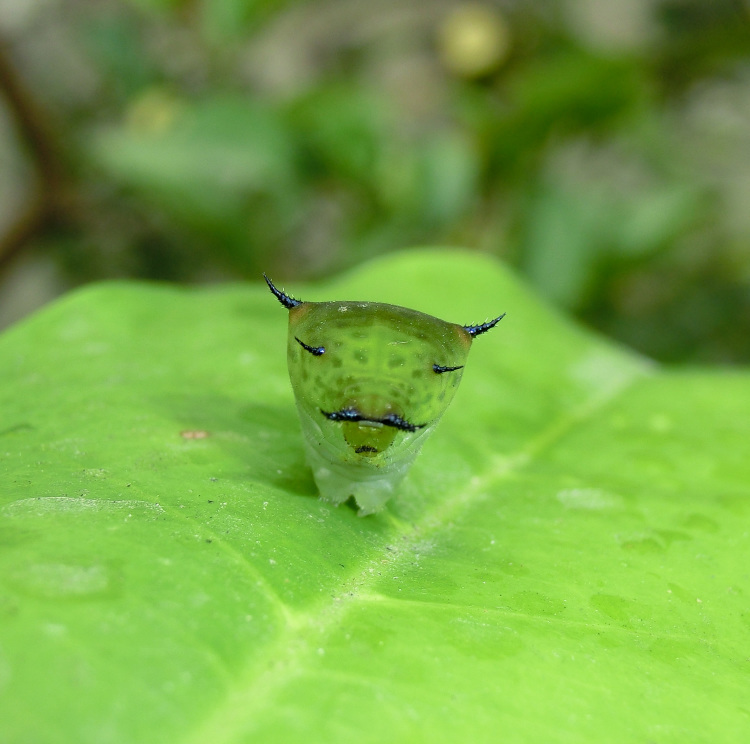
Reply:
x=289, y=656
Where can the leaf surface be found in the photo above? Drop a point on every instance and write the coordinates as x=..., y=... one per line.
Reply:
x=568, y=560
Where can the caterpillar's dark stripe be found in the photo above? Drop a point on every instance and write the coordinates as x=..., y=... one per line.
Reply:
x=314, y=350
x=352, y=414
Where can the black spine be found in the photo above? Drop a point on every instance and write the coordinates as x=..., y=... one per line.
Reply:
x=287, y=301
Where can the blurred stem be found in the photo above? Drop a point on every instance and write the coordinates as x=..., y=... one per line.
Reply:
x=46, y=198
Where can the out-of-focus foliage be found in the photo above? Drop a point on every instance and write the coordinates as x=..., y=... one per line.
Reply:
x=602, y=147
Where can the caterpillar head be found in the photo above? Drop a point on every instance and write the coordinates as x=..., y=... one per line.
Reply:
x=371, y=381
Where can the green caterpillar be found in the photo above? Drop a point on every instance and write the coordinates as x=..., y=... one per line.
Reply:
x=371, y=382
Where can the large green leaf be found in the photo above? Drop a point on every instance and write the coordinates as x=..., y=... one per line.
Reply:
x=567, y=561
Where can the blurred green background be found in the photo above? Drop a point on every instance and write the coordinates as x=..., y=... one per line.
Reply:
x=602, y=147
